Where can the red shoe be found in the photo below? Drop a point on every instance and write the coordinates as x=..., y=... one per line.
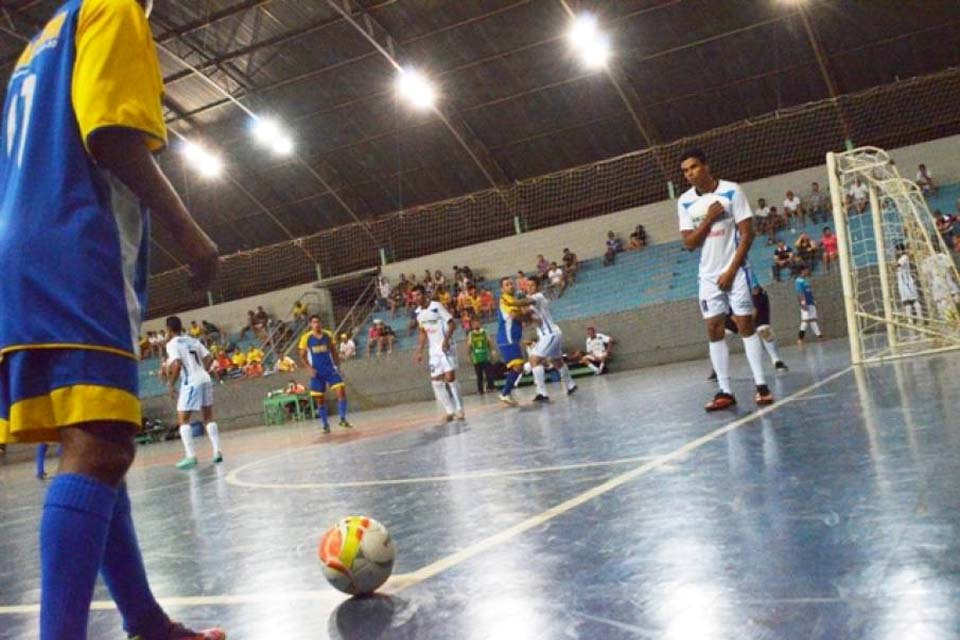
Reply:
x=763, y=396
x=177, y=631
x=720, y=401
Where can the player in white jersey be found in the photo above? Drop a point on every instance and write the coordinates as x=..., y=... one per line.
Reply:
x=715, y=216
x=189, y=360
x=549, y=345
x=907, y=286
x=436, y=328
x=938, y=272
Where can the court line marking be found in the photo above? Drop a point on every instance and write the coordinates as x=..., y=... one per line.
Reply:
x=398, y=583
x=470, y=475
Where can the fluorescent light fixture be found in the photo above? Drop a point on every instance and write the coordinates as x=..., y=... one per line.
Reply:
x=415, y=88
x=206, y=163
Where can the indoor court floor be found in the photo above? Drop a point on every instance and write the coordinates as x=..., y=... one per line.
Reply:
x=624, y=511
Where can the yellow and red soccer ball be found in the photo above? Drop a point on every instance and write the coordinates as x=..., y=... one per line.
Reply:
x=357, y=555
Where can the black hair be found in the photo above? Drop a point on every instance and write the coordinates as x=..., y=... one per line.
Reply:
x=419, y=288
x=827, y=229
x=173, y=323
x=317, y=316
x=694, y=152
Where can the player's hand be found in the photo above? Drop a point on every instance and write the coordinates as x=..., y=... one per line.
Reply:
x=715, y=212
x=446, y=345
x=203, y=260
x=725, y=281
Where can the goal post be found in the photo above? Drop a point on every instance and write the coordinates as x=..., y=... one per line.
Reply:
x=901, y=289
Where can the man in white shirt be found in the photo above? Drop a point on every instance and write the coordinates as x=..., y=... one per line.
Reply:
x=858, y=197
x=818, y=203
x=597, y=351
x=907, y=286
x=549, y=345
x=925, y=181
x=557, y=278
x=436, y=328
x=348, y=348
x=938, y=276
x=793, y=210
x=715, y=217
x=190, y=361
x=761, y=216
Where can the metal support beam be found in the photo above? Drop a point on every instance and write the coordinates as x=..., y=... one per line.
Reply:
x=384, y=42
x=824, y=62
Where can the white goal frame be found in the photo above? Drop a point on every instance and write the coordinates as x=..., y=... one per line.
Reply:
x=905, y=199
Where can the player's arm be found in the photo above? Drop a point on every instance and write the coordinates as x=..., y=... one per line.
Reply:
x=304, y=355
x=334, y=351
x=421, y=343
x=694, y=237
x=743, y=217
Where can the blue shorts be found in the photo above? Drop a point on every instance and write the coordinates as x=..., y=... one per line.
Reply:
x=325, y=380
x=45, y=389
x=512, y=354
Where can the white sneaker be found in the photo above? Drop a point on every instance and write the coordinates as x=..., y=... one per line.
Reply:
x=460, y=415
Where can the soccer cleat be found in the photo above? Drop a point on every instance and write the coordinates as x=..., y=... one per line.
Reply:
x=541, y=398
x=176, y=631
x=460, y=415
x=763, y=395
x=572, y=390
x=721, y=401
x=509, y=400
x=780, y=365
x=448, y=417
x=217, y=459
x=712, y=376
x=345, y=424
x=41, y=476
x=326, y=428
x=187, y=463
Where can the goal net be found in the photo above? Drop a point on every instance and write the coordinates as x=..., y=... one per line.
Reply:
x=900, y=282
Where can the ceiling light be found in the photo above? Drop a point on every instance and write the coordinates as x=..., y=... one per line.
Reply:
x=206, y=163
x=282, y=146
x=269, y=133
x=596, y=54
x=415, y=88
x=584, y=31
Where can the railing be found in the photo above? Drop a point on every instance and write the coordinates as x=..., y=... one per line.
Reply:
x=285, y=334
x=361, y=310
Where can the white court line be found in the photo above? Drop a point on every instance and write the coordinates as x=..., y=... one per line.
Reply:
x=470, y=475
x=398, y=583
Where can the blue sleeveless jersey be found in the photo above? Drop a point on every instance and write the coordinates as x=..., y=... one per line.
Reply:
x=73, y=239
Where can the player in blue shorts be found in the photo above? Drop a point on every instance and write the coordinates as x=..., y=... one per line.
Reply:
x=318, y=354
x=510, y=313
x=81, y=120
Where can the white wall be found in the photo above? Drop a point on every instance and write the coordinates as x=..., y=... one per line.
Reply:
x=585, y=237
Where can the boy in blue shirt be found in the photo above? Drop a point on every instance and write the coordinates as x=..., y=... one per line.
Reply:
x=808, y=310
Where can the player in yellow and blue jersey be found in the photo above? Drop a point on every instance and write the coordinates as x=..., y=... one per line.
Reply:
x=81, y=119
x=509, y=334
x=318, y=353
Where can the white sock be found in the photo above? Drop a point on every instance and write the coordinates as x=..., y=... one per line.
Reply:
x=455, y=394
x=600, y=368
x=816, y=328
x=565, y=377
x=804, y=325
x=540, y=379
x=593, y=367
x=720, y=358
x=443, y=396
x=186, y=437
x=213, y=432
x=772, y=350
x=754, y=348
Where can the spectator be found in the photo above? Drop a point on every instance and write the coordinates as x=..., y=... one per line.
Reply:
x=300, y=311
x=463, y=301
x=223, y=366
x=557, y=279
x=522, y=282
x=793, y=210
x=598, y=351
x=374, y=336
x=638, y=239
x=439, y=280
x=945, y=226
x=385, y=298
x=806, y=250
x=195, y=331
x=212, y=332
x=473, y=304
x=443, y=297
x=858, y=196
x=239, y=359
x=145, y=346
x=481, y=350
x=387, y=336
x=251, y=324
x=487, y=303
x=614, y=246
x=543, y=266
x=570, y=265
x=925, y=181
x=253, y=369
x=347, y=347
x=783, y=258
x=828, y=244
x=254, y=354
x=262, y=317
x=818, y=203
x=427, y=283
x=761, y=217
x=157, y=344
x=466, y=320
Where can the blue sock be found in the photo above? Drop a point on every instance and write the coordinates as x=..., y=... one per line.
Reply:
x=73, y=535
x=342, y=408
x=323, y=415
x=123, y=572
x=41, y=458
x=512, y=377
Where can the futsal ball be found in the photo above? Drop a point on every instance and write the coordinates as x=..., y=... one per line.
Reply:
x=357, y=555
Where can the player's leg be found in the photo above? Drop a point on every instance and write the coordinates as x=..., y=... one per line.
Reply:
x=590, y=362
x=318, y=390
x=442, y=394
x=741, y=303
x=812, y=319
x=187, y=404
x=513, y=359
x=41, y=460
x=769, y=339
x=478, y=371
x=714, y=307
x=213, y=429
x=569, y=385
x=337, y=385
x=453, y=388
x=539, y=374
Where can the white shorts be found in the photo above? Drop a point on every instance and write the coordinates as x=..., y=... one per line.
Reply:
x=194, y=397
x=714, y=302
x=443, y=363
x=548, y=346
x=810, y=313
